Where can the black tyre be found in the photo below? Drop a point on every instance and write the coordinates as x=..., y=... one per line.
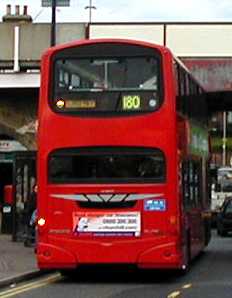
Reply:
x=68, y=273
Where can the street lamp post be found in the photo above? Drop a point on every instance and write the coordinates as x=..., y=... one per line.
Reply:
x=53, y=4
x=90, y=7
x=53, y=27
x=224, y=138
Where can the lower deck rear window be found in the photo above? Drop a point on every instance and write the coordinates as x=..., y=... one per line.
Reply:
x=106, y=165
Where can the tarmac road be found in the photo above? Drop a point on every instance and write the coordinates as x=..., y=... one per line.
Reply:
x=210, y=276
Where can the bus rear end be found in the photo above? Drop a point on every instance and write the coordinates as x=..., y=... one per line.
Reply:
x=108, y=170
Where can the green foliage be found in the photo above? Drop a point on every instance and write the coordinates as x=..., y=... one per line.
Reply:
x=217, y=144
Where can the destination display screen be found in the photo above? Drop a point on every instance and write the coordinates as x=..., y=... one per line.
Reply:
x=109, y=102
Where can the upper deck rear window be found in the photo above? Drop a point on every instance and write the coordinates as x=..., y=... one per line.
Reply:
x=107, y=79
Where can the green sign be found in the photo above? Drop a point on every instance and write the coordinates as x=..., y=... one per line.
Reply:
x=199, y=143
x=48, y=3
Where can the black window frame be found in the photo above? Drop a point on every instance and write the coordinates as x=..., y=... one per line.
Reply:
x=101, y=151
x=192, y=184
x=70, y=53
x=191, y=100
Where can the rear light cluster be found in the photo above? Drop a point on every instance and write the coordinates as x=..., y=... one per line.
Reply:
x=173, y=226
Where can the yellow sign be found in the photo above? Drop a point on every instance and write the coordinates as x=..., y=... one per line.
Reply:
x=80, y=104
x=131, y=102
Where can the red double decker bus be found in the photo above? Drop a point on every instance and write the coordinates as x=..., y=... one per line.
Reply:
x=122, y=159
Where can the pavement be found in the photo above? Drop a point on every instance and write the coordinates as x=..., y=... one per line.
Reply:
x=17, y=262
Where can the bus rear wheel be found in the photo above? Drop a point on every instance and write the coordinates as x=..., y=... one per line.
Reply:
x=185, y=268
x=69, y=273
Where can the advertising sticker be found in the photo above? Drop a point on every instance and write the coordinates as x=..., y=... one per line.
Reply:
x=107, y=223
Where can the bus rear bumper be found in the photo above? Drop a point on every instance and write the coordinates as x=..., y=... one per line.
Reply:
x=156, y=257
x=160, y=257
x=53, y=257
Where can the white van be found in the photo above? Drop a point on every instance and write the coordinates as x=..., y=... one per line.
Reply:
x=221, y=189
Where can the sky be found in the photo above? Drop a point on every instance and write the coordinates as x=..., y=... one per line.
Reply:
x=131, y=10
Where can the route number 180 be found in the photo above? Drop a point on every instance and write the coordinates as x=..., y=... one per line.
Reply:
x=131, y=102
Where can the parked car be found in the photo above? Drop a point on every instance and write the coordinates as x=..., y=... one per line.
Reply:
x=224, y=218
x=221, y=189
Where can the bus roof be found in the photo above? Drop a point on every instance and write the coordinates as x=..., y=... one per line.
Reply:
x=79, y=42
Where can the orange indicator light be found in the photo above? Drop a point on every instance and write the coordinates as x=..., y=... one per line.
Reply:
x=60, y=103
x=41, y=222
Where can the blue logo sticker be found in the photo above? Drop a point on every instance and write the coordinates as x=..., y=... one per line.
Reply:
x=155, y=205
